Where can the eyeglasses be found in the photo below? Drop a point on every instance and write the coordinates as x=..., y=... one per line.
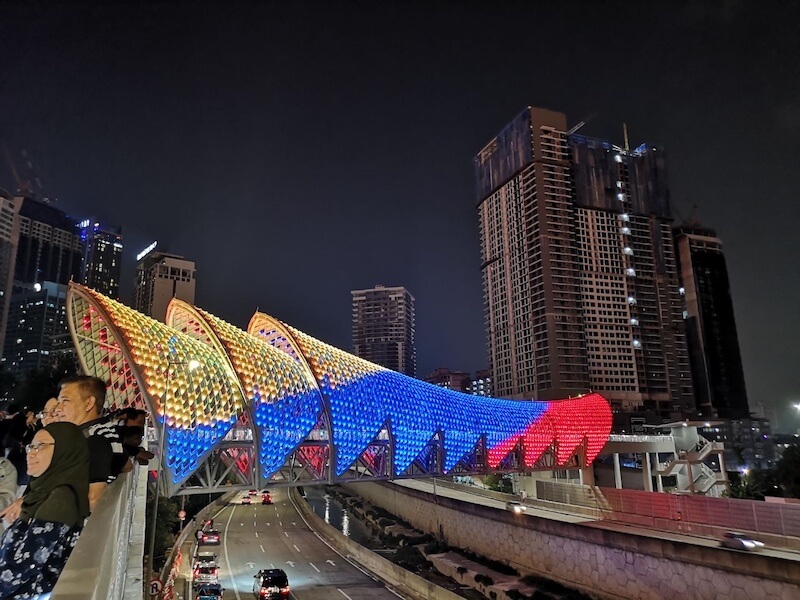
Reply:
x=34, y=448
x=45, y=413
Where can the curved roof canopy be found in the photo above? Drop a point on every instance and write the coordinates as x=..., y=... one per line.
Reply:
x=204, y=378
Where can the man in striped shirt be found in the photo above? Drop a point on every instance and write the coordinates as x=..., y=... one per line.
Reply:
x=80, y=401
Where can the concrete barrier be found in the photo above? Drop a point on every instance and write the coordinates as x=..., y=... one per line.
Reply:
x=411, y=585
x=604, y=563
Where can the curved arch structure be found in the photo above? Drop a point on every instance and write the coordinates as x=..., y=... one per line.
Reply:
x=279, y=405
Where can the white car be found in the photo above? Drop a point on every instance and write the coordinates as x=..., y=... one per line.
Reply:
x=516, y=507
x=740, y=541
x=203, y=575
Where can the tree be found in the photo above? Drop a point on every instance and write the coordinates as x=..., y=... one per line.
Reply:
x=789, y=472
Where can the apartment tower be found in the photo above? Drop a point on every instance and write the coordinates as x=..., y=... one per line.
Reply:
x=579, y=275
x=383, y=328
x=160, y=277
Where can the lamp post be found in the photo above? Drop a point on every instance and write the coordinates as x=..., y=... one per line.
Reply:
x=192, y=365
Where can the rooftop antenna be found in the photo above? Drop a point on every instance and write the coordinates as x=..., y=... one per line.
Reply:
x=625, y=135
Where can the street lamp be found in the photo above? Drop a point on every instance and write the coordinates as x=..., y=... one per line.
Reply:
x=192, y=365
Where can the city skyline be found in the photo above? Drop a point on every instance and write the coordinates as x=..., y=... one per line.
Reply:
x=299, y=145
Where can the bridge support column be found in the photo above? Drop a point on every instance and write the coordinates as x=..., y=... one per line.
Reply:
x=587, y=475
x=646, y=473
x=617, y=472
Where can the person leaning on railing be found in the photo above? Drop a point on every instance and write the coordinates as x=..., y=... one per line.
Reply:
x=36, y=546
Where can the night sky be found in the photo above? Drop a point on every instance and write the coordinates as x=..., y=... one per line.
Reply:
x=297, y=151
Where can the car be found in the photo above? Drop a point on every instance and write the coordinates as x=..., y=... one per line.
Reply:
x=205, y=559
x=246, y=499
x=253, y=492
x=209, y=537
x=740, y=541
x=266, y=498
x=271, y=584
x=203, y=575
x=209, y=591
x=516, y=507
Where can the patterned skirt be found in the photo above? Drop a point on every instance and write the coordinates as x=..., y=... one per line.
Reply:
x=32, y=556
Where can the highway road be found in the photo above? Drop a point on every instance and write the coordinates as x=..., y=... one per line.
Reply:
x=275, y=536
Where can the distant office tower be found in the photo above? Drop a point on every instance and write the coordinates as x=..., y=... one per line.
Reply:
x=102, y=258
x=36, y=334
x=452, y=380
x=160, y=277
x=579, y=273
x=9, y=239
x=481, y=384
x=383, y=328
x=710, y=324
x=49, y=254
x=50, y=246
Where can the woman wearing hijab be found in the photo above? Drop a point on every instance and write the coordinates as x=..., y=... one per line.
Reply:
x=36, y=546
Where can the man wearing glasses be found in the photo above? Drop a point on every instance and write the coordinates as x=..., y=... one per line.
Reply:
x=47, y=414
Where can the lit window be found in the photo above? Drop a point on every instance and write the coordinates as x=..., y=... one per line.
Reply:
x=628, y=251
x=618, y=158
x=682, y=291
x=631, y=300
x=630, y=272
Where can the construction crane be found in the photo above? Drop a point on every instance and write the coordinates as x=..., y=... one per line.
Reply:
x=26, y=186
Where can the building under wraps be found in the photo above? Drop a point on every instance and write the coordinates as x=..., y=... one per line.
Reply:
x=273, y=405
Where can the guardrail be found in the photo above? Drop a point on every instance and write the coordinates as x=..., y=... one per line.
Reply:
x=106, y=563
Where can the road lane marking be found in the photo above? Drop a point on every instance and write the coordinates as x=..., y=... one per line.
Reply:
x=315, y=567
x=262, y=548
x=256, y=534
x=343, y=594
x=280, y=523
x=227, y=558
x=295, y=547
x=286, y=533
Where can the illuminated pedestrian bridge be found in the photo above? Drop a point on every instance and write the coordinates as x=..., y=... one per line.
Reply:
x=272, y=405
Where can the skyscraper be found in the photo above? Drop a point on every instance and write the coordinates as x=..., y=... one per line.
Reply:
x=36, y=334
x=9, y=239
x=50, y=246
x=102, y=258
x=383, y=328
x=49, y=253
x=710, y=324
x=160, y=277
x=579, y=274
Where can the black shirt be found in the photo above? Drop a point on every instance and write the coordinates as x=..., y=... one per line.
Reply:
x=105, y=448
